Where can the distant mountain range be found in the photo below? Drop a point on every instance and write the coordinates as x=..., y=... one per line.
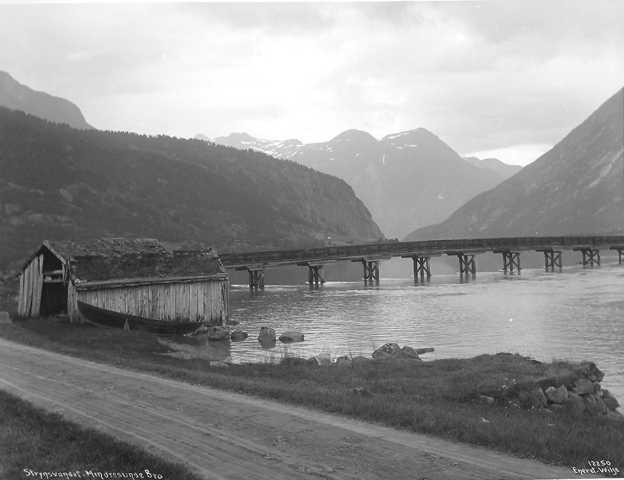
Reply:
x=62, y=183
x=406, y=179
x=16, y=96
x=575, y=188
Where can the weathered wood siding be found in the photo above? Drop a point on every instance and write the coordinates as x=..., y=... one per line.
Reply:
x=31, y=286
x=202, y=301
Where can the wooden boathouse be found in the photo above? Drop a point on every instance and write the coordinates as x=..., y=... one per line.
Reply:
x=139, y=277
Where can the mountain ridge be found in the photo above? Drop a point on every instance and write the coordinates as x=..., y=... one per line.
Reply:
x=406, y=179
x=577, y=187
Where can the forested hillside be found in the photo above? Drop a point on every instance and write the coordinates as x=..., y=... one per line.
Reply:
x=58, y=182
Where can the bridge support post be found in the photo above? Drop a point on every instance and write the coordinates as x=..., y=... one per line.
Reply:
x=590, y=256
x=467, y=264
x=552, y=259
x=371, y=271
x=620, y=251
x=422, y=267
x=256, y=278
x=315, y=277
x=511, y=261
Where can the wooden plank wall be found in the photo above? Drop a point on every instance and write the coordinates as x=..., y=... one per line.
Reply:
x=205, y=301
x=31, y=288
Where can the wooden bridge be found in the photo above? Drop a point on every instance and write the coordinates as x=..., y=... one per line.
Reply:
x=370, y=255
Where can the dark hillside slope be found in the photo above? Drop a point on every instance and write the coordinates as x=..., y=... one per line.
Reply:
x=57, y=182
x=16, y=96
x=575, y=188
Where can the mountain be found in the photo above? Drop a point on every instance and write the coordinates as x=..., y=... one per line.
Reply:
x=494, y=164
x=575, y=188
x=406, y=179
x=16, y=96
x=60, y=183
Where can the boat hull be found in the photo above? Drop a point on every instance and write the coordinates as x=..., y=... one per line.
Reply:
x=108, y=318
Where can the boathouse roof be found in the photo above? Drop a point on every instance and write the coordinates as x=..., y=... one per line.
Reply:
x=118, y=259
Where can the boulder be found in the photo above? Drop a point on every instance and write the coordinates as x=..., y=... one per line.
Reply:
x=609, y=400
x=291, y=336
x=590, y=371
x=594, y=404
x=387, y=351
x=575, y=404
x=266, y=333
x=343, y=361
x=557, y=395
x=421, y=351
x=217, y=333
x=537, y=397
x=408, y=353
x=238, y=335
x=584, y=386
x=5, y=317
x=486, y=399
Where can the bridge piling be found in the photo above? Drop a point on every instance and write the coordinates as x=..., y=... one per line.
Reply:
x=511, y=261
x=422, y=267
x=256, y=279
x=552, y=259
x=315, y=277
x=467, y=264
x=620, y=251
x=371, y=271
x=591, y=256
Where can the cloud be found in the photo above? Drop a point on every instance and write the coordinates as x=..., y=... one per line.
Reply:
x=483, y=76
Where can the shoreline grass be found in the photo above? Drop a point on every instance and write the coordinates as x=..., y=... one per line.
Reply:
x=34, y=440
x=436, y=397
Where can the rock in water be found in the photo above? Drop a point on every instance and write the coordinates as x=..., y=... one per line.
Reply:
x=238, y=335
x=420, y=351
x=217, y=332
x=387, y=351
x=557, y=395
x=291, y=336
x=266, y=333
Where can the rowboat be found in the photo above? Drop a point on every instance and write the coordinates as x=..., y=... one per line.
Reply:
x=109, y=318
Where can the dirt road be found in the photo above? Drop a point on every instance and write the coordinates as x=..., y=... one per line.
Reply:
x=223, y=435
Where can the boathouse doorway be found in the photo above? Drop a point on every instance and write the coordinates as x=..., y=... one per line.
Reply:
x=43, y=287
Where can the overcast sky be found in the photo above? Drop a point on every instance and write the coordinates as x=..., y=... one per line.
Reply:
x=509, y=78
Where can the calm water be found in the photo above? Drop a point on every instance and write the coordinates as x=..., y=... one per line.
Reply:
x=577, y=314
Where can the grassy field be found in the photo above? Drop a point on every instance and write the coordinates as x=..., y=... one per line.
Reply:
x=34, y=440
x=439, y=397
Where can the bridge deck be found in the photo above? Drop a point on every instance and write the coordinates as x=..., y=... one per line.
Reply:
x=385, y=250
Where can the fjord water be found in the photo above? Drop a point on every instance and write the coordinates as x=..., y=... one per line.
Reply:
x=577, y=314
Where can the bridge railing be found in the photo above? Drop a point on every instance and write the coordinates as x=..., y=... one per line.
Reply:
x=380, y=249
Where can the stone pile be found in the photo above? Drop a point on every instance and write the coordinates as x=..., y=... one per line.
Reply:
x=572, y=387
x=392, y=351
